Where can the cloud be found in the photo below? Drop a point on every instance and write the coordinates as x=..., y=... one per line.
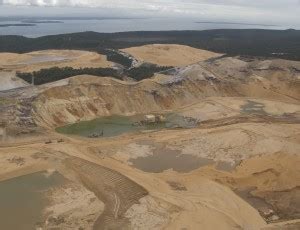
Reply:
x=263, y=11
x=155, y=4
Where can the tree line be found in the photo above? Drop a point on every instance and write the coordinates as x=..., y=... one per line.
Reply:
x=44, y=76
x=145, y=71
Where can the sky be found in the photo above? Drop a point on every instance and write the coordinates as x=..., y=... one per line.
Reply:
x=251, y=11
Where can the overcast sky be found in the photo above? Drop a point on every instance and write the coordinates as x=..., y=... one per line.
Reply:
x=258, y=11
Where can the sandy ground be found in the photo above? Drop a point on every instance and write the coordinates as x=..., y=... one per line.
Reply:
x=268, y=155
x=72, y=206
x=169, y=54
x=247, y=141
x=35, y=61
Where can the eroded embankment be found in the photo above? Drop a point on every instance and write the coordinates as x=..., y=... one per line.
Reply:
x=102, y=97
x=87, y=97
x=117, y=192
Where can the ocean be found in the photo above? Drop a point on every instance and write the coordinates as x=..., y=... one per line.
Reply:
x=42, y=27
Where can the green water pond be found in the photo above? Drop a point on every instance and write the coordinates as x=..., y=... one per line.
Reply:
x=116, y=125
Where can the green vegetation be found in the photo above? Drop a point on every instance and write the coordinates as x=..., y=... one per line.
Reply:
x=259, y=43
x=44, y=76
x=116, y=57
x=54, y=74
x=145, y=71
x=254, y=42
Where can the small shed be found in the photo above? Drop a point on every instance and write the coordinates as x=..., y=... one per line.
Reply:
x=150, y=118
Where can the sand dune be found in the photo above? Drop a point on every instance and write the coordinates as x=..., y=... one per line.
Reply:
x=169, y=54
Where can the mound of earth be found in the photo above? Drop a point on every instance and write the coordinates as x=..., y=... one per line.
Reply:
x=45, y=59
x=169, y=54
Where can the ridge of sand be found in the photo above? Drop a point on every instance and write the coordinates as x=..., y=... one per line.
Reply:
x=169, y=54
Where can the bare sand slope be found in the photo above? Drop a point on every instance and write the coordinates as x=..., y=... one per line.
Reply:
x=9, y=81
x=63, y=105
x=169, y=54
x=52, y=58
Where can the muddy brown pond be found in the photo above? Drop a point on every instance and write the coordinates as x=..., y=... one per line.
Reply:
x=22, y=200
x=169, y=159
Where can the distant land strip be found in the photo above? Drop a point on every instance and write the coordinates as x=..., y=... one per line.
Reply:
x=19, y=24
x=235, y=23
x=41, y=21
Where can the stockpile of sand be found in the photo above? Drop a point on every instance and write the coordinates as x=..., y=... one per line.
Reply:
x=169, y=54
x=52, y=58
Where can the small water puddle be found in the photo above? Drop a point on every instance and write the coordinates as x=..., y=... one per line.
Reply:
x=169, y=159
x=22, y=199
x=253, y=107
x=265, y=209
x=226, y=166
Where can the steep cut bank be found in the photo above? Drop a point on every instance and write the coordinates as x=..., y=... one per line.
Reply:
x=87, y=97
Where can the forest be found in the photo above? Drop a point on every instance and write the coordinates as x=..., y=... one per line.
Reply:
x=253, y=42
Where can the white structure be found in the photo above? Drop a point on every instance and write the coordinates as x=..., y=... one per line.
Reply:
x=2, y=132
x=149, y=118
